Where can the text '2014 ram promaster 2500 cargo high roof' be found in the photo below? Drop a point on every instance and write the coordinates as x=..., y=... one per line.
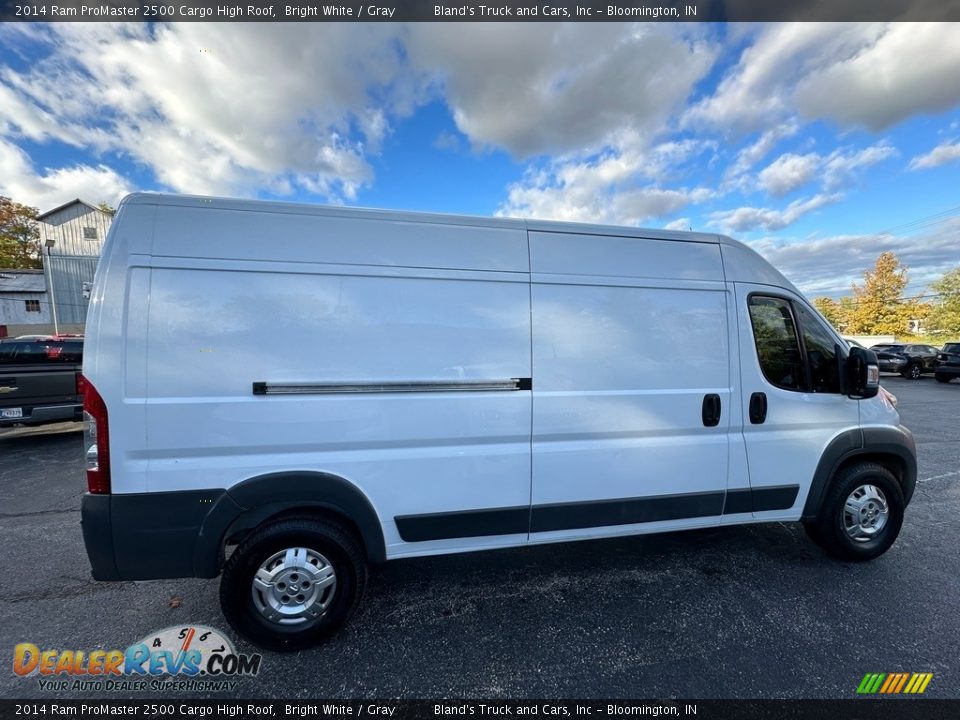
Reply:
x=284, y=393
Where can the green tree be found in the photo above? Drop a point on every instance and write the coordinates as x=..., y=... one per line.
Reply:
x=832, y=311
x=19, y=235
x=944, y=317
x=879, y=307
x=107, y=208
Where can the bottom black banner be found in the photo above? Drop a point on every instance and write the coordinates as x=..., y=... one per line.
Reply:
x=886, y=709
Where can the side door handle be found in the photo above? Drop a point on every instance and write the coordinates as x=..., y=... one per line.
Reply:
x=758, y=408
x=711, y=410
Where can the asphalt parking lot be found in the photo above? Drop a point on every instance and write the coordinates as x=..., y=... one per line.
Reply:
x=753, y=611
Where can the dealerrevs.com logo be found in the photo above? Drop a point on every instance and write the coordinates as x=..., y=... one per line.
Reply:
x=192, y=658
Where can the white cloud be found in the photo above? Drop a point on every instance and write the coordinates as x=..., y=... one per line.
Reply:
x=788, y=172
x=50, y=188
x=216, y=108
x=678, y=224
x=617, y=186
x=736, y=173
x=927, y=257
x=876, y=87
x=836, y=170
x=241, y=109
x=840, y=166
x=757, y=90
x=744, y=219
x=945, y=152
x=559, y=88
x=855, y=74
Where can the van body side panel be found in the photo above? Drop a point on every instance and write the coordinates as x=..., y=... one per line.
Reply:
x=309, y=324
x=621, y=369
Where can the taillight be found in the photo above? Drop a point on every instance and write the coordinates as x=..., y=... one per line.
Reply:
x=96, y=439
x=79, y=382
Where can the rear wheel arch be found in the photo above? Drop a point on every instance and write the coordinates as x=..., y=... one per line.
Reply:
x=273, y=497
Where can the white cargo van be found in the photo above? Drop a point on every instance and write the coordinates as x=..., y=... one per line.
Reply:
x=285, y=393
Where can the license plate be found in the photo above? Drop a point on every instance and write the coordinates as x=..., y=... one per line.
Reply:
x=11, y=413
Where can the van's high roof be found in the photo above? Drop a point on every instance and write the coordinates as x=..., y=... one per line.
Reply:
x=185, y=237
x=272, y=206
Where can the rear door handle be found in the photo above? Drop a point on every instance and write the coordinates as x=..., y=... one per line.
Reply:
x=711, y=410
x=758, y=408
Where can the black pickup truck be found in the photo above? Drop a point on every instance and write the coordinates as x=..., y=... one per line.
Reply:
x=40, y=380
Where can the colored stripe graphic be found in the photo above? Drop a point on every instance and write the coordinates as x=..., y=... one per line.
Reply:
x=903, y=681
x=894, y=683
x=918, y=683
x=870, y=683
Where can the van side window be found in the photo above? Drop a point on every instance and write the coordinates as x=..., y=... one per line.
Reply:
x=821, y=353
x=778, y=347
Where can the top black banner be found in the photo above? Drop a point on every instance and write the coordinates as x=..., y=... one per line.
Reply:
x=317, y=11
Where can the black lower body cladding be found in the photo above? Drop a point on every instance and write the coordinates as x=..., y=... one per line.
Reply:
x=149, y=536
x=145, y=536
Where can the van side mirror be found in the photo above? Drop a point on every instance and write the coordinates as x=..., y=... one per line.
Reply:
x=863, y=373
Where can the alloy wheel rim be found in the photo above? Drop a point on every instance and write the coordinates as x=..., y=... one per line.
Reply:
x=865, y=513
x=294, y=586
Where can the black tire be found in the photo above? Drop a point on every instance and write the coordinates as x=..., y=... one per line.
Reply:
x=942, y=378
x=830, y=522
x=912, y=371
x=813, y=532
x=333, y=540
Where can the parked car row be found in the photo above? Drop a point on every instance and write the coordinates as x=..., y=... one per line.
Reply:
x=913, y=360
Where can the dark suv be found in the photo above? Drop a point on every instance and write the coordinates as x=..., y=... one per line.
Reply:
x=947, y=366
x=911, y=361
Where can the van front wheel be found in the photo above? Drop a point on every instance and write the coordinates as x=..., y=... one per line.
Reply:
x=862, y=513
x=291, y=583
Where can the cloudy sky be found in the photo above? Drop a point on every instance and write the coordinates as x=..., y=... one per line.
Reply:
x=820, y=145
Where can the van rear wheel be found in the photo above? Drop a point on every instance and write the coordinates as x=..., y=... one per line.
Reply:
x=862, y=513
x=291, y=583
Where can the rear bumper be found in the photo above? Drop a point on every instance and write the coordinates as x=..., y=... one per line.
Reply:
x=46, y=414
x=893, y=366
x=98, y=536
x=953, y=370
x=149, y=536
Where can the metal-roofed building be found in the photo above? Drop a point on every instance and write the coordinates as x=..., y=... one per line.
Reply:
x=23, y=301
x=71, y=237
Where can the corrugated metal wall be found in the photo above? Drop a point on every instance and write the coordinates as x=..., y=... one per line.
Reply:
x=78, y=232
x=67, y=229
x=69, y=273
